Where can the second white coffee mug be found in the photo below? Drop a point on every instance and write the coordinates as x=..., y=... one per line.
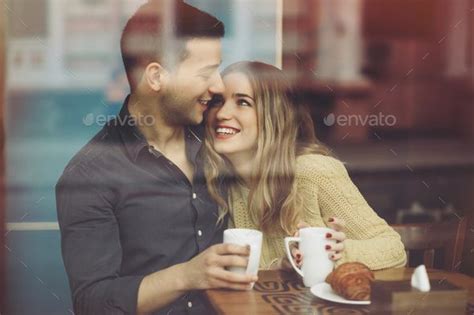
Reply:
x=316, y=262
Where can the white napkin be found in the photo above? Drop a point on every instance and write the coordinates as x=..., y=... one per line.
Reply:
x=420, y=279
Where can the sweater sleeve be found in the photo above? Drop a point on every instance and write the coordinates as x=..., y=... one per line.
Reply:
x=370, y=240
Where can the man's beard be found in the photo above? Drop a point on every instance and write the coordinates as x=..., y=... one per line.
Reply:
x=177, y=110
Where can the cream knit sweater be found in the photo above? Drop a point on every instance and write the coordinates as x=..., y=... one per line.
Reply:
x=329, y=192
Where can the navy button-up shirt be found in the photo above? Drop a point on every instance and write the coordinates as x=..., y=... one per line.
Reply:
x=126, y=211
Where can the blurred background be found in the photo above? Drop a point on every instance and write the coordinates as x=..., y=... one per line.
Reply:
x=390, y=84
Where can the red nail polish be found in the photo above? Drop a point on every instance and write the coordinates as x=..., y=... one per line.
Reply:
x=328, y=235
x=328, y=247
x=331, y=220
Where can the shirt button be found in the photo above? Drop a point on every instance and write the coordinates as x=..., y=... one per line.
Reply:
x=194, y=196
x=190, y=304
x=199, y=233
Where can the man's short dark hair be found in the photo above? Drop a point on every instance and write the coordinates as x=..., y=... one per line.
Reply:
x=158, y=32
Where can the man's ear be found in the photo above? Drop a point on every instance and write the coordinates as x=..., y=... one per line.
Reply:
x=154, y=75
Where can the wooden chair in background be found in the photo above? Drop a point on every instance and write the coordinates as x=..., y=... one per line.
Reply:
x=446, y=238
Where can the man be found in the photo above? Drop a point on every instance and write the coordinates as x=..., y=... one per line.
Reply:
x=138, y=227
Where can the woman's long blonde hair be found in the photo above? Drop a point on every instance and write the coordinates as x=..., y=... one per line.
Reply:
x=285, y=131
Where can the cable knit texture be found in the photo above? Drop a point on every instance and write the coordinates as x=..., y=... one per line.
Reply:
x=328, y=191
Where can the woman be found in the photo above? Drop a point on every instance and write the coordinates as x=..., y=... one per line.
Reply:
x=263, y=155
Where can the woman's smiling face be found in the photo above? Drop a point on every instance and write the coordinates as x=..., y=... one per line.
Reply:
x=232, y=122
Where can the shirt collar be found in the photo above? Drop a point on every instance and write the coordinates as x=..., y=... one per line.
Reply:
x=132, y=138
x=135, y=142
x=193, y=140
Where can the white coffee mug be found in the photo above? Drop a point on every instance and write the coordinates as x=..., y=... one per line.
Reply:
x=245, y=237
x=316, y=262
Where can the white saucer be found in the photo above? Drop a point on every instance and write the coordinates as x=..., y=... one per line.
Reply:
x=325, y=292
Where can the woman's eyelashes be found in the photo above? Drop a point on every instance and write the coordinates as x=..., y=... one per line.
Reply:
x=219, y=101
x=243, y=102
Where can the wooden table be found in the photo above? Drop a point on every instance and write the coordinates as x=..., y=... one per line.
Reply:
x=280, y=292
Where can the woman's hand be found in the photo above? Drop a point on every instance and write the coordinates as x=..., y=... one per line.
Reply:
x=335, y=251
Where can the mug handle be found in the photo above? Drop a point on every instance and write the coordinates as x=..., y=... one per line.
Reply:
x=288, y=253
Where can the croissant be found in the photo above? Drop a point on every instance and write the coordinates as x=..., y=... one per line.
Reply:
x=351, y=281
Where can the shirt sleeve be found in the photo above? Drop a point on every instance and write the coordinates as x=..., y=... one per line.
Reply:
x=370, y=240
x=91, y=248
